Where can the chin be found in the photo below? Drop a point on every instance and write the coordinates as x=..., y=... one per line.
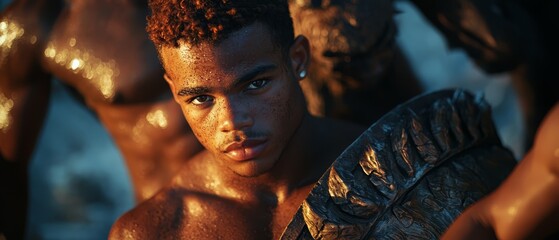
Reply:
x=253, y=168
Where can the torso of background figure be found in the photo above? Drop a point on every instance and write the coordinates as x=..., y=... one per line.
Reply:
x=101, y=49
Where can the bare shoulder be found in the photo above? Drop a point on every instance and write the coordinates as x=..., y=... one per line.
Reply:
x=179, y=211
x=164, y=214
x=144, y=220
x=168, y=214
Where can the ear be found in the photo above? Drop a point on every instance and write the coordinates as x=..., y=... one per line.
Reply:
x=299, y=56
x=171, y=85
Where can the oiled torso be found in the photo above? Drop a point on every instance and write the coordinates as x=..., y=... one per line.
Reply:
x=101, y=49
x=196, y=213
x=207, y=200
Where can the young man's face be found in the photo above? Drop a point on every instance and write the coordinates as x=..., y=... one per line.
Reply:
x=241, y=97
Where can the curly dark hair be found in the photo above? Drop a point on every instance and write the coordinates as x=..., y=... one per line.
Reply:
x=197, y=21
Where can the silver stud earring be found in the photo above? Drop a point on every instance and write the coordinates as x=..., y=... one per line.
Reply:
x=303, y=74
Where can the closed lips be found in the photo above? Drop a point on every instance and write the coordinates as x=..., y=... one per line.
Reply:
x=245, y=150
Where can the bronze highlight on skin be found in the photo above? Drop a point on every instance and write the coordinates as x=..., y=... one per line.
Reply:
x=234, y=68
x=10, y=31
x=101, y=73
x=6, y=106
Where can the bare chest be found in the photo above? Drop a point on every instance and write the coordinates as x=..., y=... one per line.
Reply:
x=215, y=218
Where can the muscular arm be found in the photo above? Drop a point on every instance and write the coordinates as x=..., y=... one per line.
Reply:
x=24, y=90
x=526, y=205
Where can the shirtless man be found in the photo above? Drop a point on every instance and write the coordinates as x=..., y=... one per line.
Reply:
x=526, y=205
x=100, y=49
x=234, y=68
x=358, y=71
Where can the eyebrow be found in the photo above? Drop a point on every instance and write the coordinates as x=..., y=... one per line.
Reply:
x=193, y=91
x=245, y=78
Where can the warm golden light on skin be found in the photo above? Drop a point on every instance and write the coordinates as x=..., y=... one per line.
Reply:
x=128, y=234
x=148, y=191
x=75, y=64
x=508, y=211
x=138, y=132
x=195, y=209
x=157, y=118
x=556, y=153
x=9, y=32
x=33, y=39
x=511, y=211
x=6, y=106
x=50, y=52
x=215, y=184
x=101, y=74
x=72, y=42
x=227, y=191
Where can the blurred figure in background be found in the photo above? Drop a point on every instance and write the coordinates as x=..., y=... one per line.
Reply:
x=515, y=36
x=357, y=72
x=100, y=49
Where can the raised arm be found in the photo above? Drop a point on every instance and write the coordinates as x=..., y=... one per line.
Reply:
x=526, y=205
x=24, y=92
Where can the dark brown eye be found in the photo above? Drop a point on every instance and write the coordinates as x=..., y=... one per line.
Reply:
x=257, y=84
x=199, y=100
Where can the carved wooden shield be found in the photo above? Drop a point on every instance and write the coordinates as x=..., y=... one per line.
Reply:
x=410, y=174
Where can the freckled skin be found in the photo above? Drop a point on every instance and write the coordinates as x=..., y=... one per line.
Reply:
x=105, y=40
x=215, y=196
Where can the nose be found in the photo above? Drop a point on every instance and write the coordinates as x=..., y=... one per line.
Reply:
x=234, y=115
